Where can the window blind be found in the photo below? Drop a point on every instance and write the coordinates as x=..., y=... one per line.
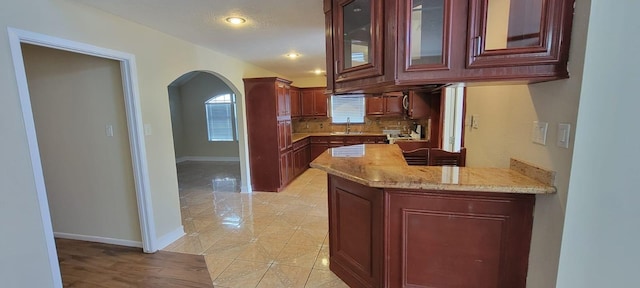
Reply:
x=347, y=106
x=220, y=118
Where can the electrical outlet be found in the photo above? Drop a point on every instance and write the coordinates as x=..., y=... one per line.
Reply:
x=539, y=132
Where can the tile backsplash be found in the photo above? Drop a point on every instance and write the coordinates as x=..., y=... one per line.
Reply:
x=371, y=124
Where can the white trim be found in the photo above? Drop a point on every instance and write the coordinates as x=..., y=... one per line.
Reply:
x=170, y=237
x=452, y=126
x=134, y=124
x=98, y=239
x=34, y=153
x=207, y=159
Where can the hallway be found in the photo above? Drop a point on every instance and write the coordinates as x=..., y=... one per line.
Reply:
x=259, y=239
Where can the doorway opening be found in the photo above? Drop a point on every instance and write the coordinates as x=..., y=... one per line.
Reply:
x=134, y=125
x=204, y=120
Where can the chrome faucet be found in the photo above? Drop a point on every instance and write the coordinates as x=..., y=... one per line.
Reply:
x=348, y=125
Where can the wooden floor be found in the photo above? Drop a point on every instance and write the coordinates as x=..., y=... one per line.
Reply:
x=89, y=264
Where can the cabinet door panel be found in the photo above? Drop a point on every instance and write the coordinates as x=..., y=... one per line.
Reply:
x=393, y=105
x=516, y=32
x=295, y=103
x=433, y=236
x=307, y=99
x=320, y=103
x=355, y=231
x=375, y=105
x=358, y=48
x=281, y=98
x=427, y=34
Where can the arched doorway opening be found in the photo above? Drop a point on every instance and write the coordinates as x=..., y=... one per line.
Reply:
x=208, y=132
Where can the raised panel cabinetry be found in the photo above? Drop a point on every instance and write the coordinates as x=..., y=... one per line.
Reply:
x=313, y=102
x=416, y=43
x=355, y=225
x=269, y=131
x=301, y=156
x=358, y=42
x=319, y=144
x=295, y=102
x=422, y=238
x=283, y=98
x=487, y=235
x=387, y=104
x=525, y=32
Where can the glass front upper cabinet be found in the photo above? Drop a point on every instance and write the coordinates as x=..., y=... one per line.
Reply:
x=358, y=48
x=514, y=32
x=428, y=38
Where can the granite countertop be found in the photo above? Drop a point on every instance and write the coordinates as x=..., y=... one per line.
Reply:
x=383, y=166
x=299, y=136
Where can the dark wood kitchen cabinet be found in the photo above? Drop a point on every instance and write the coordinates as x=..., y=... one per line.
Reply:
x=356, y=232
x=269, y=132
x=358, y=48
x=526, y=32
x=422, y=238
x=319, y=144
x=393, y=45
x=433, y=235
x=313, y=102
x=283, y=98
x=295, y=102
x=301, y=156
x=387, y=104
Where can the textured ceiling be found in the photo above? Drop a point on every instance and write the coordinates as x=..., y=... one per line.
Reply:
x=273, y=28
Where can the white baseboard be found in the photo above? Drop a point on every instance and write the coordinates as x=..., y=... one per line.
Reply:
x=170, y=237
x=98, y=239
x=207, y=159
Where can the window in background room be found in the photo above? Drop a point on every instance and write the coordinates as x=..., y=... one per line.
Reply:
x=347, y=106
x=221, y=122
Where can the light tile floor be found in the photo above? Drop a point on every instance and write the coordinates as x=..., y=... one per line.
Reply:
x=259, y=239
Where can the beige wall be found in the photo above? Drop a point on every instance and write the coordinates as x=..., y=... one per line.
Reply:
x=193, y=95
x=159, y=59
x=315, y=81
x=88, y=175
x=601, y=231
x=506, y=114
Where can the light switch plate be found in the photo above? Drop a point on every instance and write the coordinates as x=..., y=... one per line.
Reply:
x=109, y=130
x=539, y=132
x=147, y=129
x=474, y=121
x=564, y=134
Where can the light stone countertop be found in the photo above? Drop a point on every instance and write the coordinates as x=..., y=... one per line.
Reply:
x=383, y=166
x=299, y=136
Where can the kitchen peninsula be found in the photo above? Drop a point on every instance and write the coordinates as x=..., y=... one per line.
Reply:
x=395, y=225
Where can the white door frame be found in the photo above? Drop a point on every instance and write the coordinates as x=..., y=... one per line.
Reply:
x=134, y=124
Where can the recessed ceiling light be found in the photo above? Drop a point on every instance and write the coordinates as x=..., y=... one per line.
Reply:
x=317, y=71
x=293, y=55
x=235, y=20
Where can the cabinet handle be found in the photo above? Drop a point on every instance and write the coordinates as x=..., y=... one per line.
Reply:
x=478, y=45
x=335, y=71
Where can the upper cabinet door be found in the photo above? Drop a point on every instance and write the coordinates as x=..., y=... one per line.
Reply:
x=358, y=39
x=517, y=32
x=425, y=34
